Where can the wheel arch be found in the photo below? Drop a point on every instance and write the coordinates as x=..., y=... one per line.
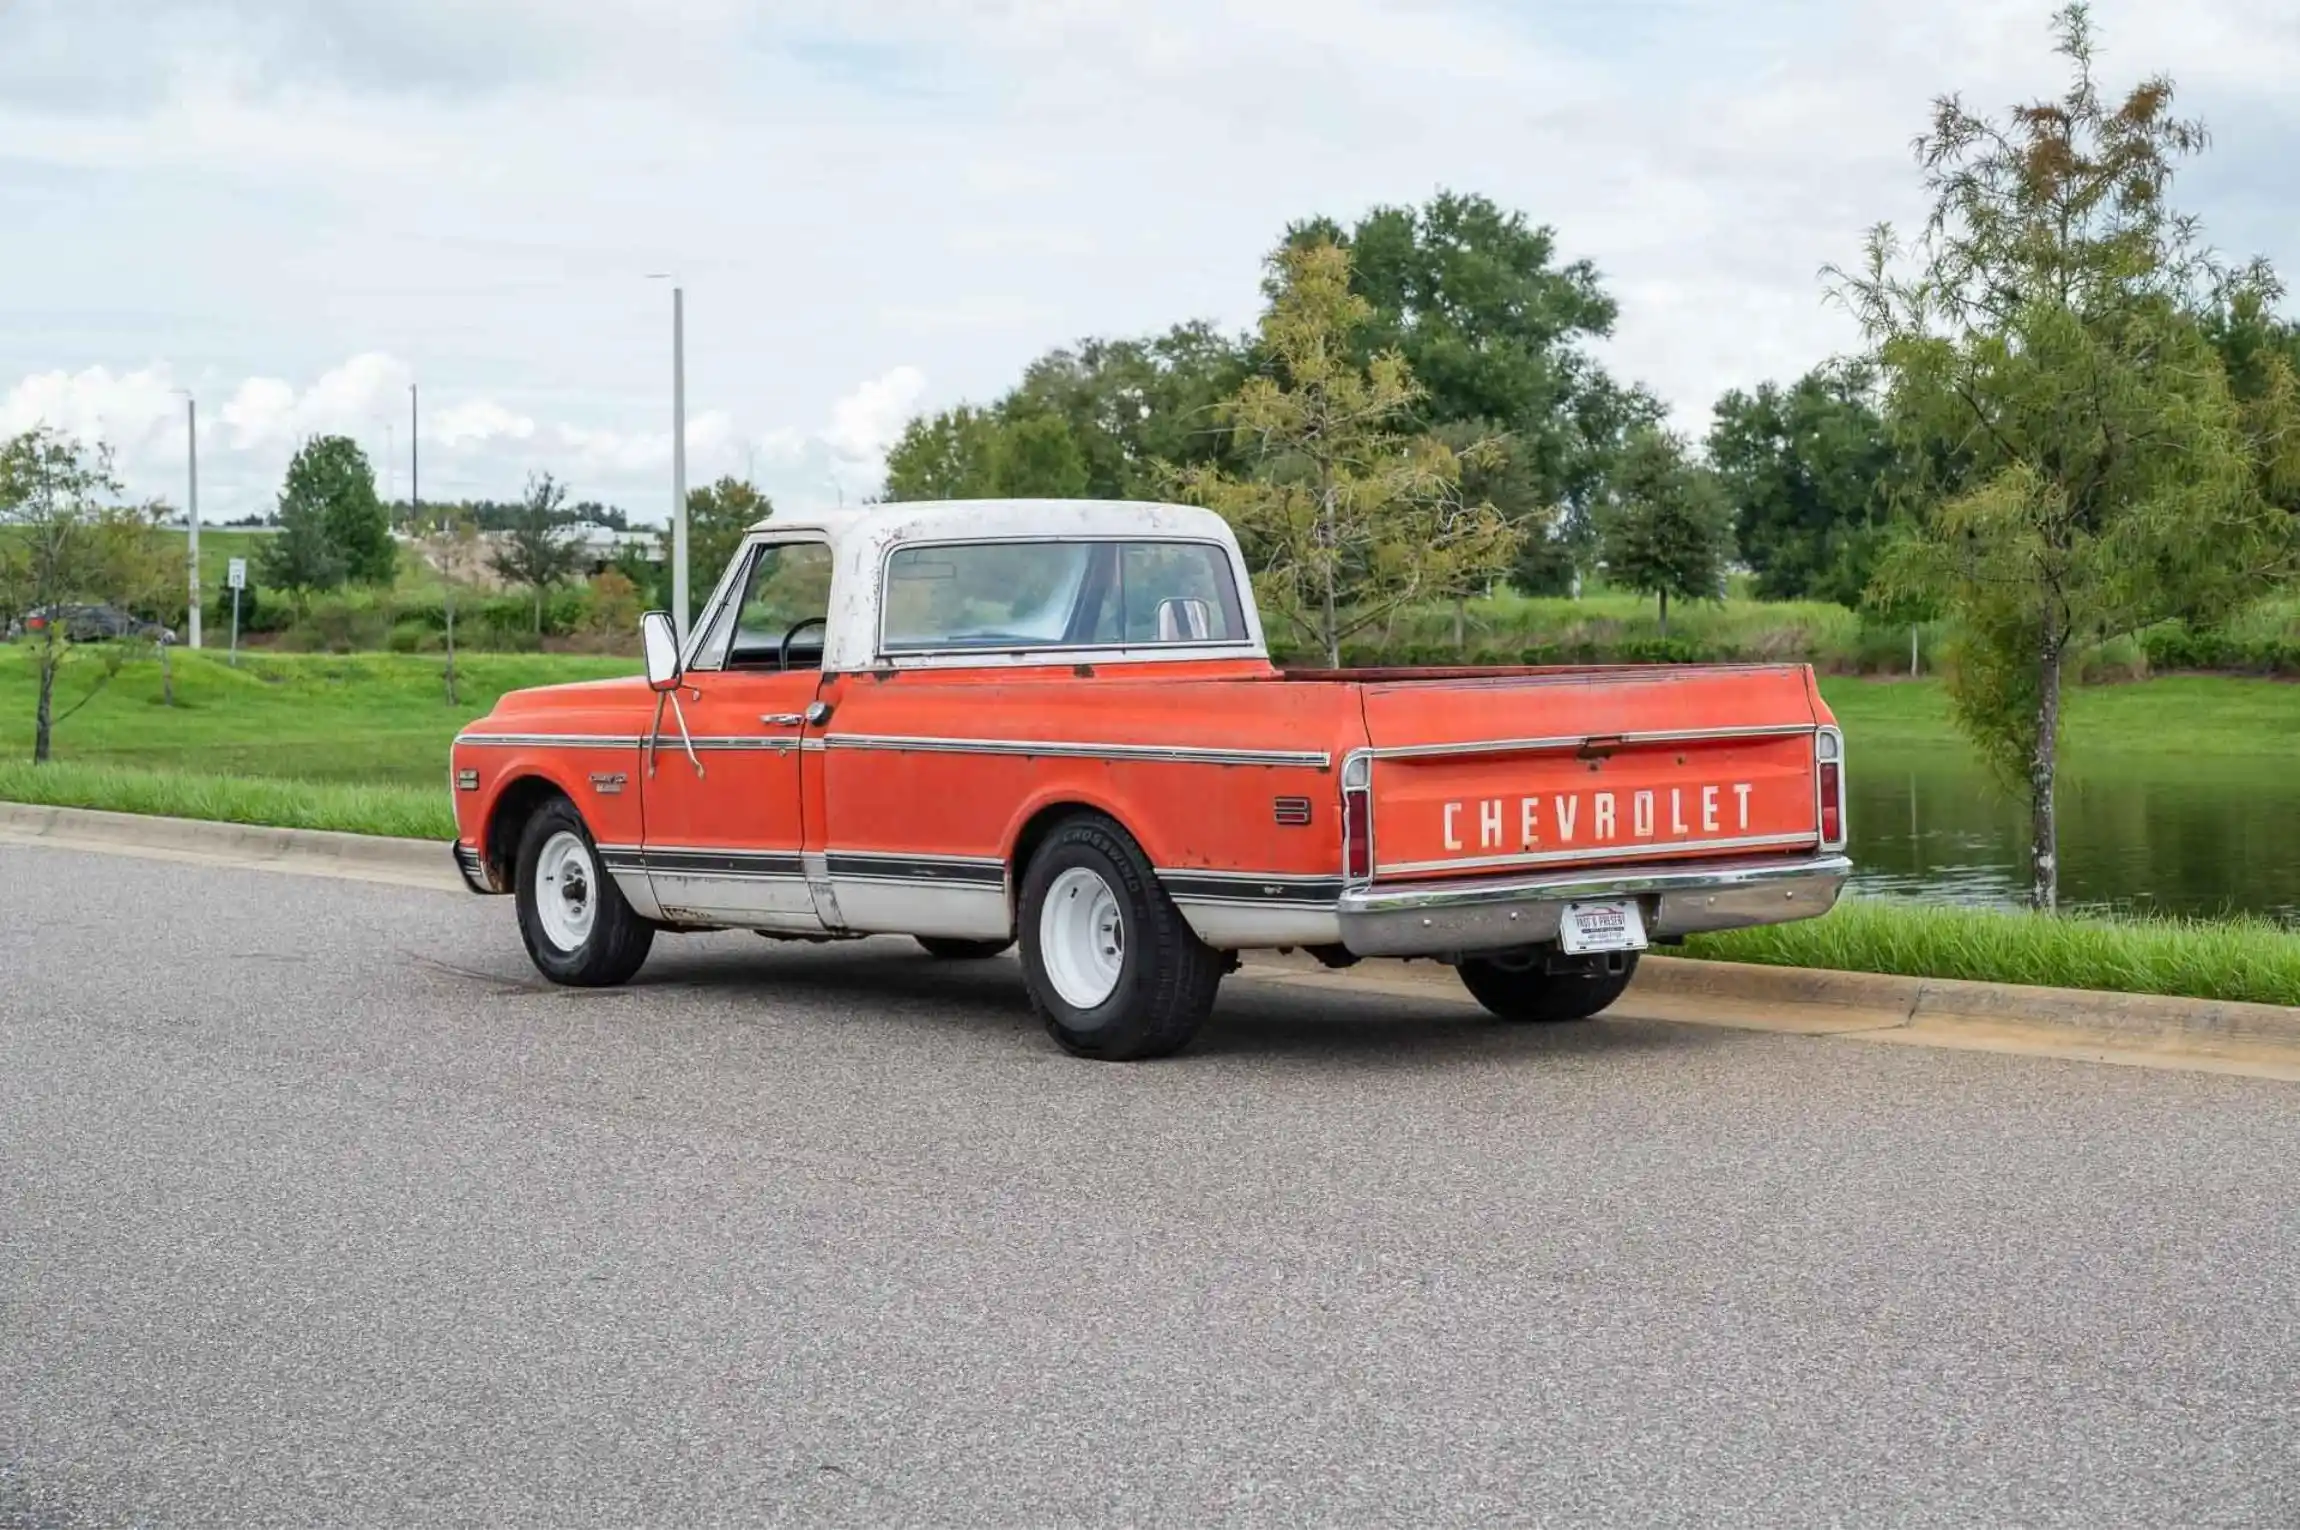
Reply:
x=516, y=802
x=1038, y=821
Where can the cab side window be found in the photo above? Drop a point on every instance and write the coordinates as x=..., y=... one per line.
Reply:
x=784, y=594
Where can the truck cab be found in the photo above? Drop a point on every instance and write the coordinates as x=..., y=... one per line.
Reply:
x=1055, y=723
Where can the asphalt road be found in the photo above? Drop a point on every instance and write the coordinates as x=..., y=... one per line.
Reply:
x=316, y=1208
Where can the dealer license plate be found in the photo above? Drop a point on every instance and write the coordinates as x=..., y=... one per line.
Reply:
x=1615, y=925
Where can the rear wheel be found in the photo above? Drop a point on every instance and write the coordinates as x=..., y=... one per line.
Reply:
x=1113, y=969
x=578, y=928
x=943, y=948
x=1527, y=992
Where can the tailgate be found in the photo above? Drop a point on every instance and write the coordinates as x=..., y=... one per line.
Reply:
x=1599, y=766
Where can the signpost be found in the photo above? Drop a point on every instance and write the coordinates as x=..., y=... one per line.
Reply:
x=236, y=576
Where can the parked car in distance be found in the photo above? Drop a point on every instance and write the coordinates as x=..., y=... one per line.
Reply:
x=90, y=624
x=1056, y=723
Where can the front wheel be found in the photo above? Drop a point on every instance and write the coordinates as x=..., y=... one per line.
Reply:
x=1112, y=967
x=578, y=928
x=1529, y=994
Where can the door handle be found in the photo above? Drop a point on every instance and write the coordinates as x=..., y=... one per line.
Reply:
x=781, y=719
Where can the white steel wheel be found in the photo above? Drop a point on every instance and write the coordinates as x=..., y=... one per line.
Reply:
x=1082, y=938
x=566, y=890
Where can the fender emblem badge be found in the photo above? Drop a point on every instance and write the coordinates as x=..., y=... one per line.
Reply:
x=467, y=780
x=608, y=785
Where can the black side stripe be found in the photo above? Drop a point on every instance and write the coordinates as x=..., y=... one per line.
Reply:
x=1188, y=887
x=715, y=863
x=852, y=866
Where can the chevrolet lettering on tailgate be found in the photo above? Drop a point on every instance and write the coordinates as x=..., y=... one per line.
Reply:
x=1054, y=724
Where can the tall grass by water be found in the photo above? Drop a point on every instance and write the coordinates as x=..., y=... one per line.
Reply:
x=2240, y=960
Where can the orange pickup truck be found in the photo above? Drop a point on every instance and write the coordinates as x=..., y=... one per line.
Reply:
x=1056, y=721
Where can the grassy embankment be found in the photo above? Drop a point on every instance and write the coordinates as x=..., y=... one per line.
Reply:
x=355, y=743
x=360, y=744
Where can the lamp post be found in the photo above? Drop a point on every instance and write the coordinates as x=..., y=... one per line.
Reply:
x=192, y=512
x=678, y=453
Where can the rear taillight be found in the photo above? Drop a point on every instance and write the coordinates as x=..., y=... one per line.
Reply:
x=1829, y=786
x=1358, y=819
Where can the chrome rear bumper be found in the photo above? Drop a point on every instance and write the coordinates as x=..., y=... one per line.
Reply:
x=1443, y=918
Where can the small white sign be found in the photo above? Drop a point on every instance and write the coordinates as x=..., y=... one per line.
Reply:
x=236, y=574
x=1610, y=926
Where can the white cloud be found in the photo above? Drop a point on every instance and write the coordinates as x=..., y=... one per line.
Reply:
x=867, y=422
x=472, y=191
x=478, y=421
x=128, y=410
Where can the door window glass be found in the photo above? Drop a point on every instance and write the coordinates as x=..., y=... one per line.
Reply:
x=787, y=583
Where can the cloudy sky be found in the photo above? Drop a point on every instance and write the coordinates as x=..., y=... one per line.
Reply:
x=294, y=208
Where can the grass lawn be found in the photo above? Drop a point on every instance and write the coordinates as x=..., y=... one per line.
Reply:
x=366, y=719
x=412, y=812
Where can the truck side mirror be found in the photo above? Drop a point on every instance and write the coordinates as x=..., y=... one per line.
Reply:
x=660, y=640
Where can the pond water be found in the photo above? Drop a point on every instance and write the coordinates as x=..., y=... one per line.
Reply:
x=2191, y=835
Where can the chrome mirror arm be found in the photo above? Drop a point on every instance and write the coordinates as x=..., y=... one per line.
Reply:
x=655, y=734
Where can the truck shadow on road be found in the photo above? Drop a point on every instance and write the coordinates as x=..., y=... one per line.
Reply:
x=895, y=989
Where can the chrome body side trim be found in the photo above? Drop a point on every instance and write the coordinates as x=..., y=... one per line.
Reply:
x=1579, y=740
x=546, y=740
x=1451, y=918
x=1161, y=754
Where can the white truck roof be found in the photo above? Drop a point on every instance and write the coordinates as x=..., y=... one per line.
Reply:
x=860, y=539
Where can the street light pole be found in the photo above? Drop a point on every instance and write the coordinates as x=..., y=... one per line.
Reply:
x=679, y=607
x=192, y=511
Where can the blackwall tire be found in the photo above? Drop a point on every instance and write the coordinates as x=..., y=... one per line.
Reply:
x=944, y=949
x=579, y=930
x=1527, y=995
x=1112, y=967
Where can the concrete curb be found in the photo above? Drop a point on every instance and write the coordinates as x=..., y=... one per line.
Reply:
x=1810, y=1000
x=1775, y=998
x=422, y=861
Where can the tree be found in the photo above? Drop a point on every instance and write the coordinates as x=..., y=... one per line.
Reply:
x=1014, y=451
x=943, y=456
x=1349, y=513
x=1133, y=404
x=718, y=517
x=447, y=536
x=535, y=550
x=301, y=556
x=1496, y=330
x=1666, y=528
x=65, y=539
x=329, y=496
x=2049, y=337
x=1809, y=473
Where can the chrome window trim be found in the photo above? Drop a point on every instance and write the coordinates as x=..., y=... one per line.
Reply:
x=1166, y=754
x=939, y=656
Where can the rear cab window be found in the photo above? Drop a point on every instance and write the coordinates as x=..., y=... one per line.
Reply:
x=1003, y=596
